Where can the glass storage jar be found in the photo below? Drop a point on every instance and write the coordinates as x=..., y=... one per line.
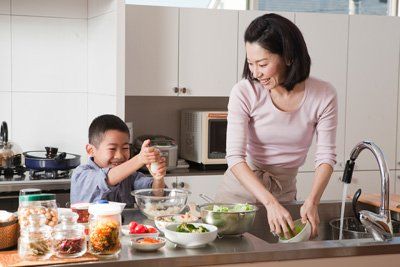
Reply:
x=37, y=204
x=104, y=230
x=34, y=242
x=69, y=240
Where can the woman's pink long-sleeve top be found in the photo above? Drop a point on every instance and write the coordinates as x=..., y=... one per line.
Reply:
x=257, y=129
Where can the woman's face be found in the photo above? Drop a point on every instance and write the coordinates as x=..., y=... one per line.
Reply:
x=266, y=67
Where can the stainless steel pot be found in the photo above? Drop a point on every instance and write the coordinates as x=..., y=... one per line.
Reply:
x=228, y=223
x=10, y=153
x=352, y=229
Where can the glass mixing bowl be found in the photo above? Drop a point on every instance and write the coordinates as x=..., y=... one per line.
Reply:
x=158, y=202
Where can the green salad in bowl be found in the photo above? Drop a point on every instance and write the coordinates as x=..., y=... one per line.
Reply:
x=234, y=208
x=191, y=228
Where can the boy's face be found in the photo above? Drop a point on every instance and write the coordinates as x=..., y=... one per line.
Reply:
x=112, y=150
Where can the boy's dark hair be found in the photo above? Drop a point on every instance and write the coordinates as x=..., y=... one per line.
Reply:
x=102, y=124
x=280, y=36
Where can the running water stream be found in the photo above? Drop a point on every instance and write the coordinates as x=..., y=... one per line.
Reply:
x=345, y=186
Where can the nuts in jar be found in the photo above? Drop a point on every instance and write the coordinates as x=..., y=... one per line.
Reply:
x=44, y=204
x=50, y=214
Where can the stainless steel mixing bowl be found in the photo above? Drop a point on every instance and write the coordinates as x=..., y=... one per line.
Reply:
x=228, y=223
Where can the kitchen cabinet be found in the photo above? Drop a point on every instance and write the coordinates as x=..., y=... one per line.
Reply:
x=372, y=86
x=328, y=66
x=151, y=50
x=200, y=184
x=170, y=181
x=368, y=181
x=185, y=52
x=397, y=182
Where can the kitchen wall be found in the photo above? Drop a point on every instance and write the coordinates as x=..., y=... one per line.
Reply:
x=57, y=69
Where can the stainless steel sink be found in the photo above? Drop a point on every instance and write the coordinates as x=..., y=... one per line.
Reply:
x=327, y=212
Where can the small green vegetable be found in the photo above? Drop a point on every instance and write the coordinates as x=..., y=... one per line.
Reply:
x=190, y=228
x=236, y=208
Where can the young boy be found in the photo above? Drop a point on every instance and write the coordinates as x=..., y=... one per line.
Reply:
x=109, y=173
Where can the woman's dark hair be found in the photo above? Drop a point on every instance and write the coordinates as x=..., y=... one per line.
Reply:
x=280, y=36
x=102, y=124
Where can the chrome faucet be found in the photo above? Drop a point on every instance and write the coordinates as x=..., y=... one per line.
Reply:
x=379, y=225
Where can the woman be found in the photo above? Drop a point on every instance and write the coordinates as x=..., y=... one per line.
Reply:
x=273, y=114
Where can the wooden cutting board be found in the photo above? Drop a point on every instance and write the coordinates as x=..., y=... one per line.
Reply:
x=11, y=258
x=375, y=200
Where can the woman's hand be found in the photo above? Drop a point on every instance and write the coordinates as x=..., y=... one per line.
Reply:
x=309, y=211
x=279, y=220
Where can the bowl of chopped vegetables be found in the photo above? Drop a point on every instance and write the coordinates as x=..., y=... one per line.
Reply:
x=302, y=232
x=148, y=243
x=231, y=219
x=191, y=235
x=162, y=221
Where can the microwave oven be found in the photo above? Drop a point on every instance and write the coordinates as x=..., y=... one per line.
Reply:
x=203, y=136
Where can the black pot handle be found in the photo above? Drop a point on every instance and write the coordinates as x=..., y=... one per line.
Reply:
x=60, y=157
x=354, y=204
x=4, y=132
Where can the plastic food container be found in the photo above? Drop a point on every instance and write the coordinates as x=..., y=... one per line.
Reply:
x=35, y=240
x=104, y=230
x=69, y=240
x=44, y=204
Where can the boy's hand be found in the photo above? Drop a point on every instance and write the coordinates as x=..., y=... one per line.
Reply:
x=148, y=154
x=161, y=170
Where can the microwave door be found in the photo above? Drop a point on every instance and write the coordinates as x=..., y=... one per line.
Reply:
x=217, y=138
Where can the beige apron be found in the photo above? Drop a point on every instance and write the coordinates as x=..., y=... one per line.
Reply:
x=280, y=182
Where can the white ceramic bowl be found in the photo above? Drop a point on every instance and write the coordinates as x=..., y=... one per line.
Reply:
x=191, y=240
x=304, y=234
x=163, y=221
x=148, y=247
x=125, y=231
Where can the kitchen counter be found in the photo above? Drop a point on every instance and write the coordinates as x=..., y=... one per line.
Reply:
x=249, y=248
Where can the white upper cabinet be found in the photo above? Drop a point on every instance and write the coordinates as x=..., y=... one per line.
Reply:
x=50, y=8
x=245, y=18
x=372, y=86
x=151, y=50
x=328, y=65
x=203, y=43
x=207, y=51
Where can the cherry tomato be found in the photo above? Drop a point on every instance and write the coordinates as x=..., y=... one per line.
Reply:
x=132, y=225
x=151, y=230
x=139, y=229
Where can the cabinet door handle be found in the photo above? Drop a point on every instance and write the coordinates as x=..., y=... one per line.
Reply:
x=182, y=184
x=174, y=185
x=176, y=90
x=183, y=90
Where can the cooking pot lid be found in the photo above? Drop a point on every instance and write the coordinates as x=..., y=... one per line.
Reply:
x=42, y=155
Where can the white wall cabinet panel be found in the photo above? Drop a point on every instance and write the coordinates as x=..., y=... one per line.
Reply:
x=99, y=7
x=55, y=59
x=207, y=51
x=5, y=110
x=5, y=7
x=245, y=18
x=5, y=53
x=370, y=182
x=50, y=119
x=202, y=184
x=50, y=8
x=397, y=182
x=151, y=50
x=372, y=86
x=323, y=33
x=102, y=51
x=170, y=181
x=333, y=190
x=100, y=104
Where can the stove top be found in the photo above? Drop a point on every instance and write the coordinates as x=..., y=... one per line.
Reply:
x=19, y=173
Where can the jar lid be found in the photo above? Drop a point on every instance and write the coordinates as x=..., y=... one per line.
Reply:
x=80, y=206
x=37, y=197
x=104, y=209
